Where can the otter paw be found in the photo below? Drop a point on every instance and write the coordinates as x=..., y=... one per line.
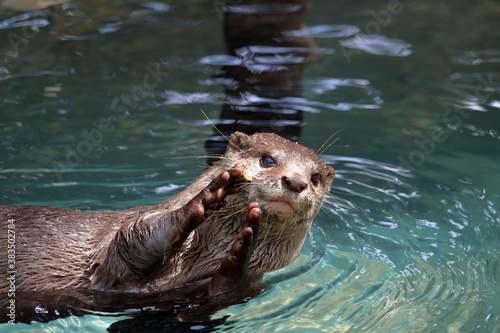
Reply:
x=233, y=272
x=212, y=196
x=237, y=259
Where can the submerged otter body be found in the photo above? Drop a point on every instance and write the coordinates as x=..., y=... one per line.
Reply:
x=246, y=215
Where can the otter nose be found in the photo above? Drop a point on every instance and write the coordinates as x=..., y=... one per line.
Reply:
x=294, y=185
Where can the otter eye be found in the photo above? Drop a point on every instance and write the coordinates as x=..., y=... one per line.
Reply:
x=315, y=179
x=267, y=161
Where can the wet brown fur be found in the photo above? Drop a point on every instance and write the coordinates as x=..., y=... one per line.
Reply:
x=140, y=253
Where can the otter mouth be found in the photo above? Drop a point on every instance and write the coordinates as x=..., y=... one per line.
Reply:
x=281, y=206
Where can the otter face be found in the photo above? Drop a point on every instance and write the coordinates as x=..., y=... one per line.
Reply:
x=288, y=180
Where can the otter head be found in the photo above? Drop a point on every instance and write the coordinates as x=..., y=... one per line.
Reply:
x=288, y=180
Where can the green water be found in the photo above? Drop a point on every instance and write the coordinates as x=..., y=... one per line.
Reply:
x=409, y=239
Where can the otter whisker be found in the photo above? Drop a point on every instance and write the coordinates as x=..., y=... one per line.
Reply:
x=234, y=210
x=213, y=125
x=266, y=227
x=282, y=230
x=338, y=200
x=322, y=149
x=376, y=190
x=328, y=212
x=218, y=131
x=196, y=157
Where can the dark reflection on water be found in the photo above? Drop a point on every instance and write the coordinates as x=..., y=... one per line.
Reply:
x=408, y=239
x=262, y=74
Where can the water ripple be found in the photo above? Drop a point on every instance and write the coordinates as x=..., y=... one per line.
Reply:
x=263, y=8
x=356, y=174
x=151, y=7
x=4, y=74
x=175, y=97
x=33, y=19
x=379, y=45
x=324, y=31
x=477, y=57
x=366, y=296
x=473, y=91
x=248, y=99
x=262, y=58
x=355, y=93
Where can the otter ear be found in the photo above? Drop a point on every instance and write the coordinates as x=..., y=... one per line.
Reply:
x=330, y=174
x=239, y=141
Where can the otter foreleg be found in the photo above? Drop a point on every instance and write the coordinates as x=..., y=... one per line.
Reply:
x=140, y=245
x=232, y=275
x=205, y=203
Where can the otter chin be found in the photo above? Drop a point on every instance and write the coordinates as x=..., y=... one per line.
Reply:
x=210, y=244
x=281, y=206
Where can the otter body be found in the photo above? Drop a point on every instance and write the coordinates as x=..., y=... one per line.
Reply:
x=246, y=215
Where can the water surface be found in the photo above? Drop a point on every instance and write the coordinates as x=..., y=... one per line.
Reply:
x=99, y=100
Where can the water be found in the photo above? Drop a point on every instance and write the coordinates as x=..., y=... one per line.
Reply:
x=100, y=99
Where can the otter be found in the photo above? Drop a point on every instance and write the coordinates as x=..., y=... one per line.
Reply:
x=210, y=244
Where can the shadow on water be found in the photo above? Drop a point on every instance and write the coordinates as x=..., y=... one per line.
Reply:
x=158, y=322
